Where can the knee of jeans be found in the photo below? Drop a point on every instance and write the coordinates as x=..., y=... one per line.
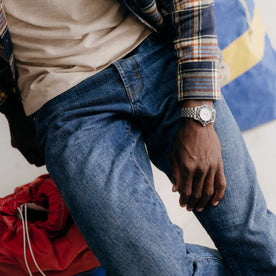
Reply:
x=207, y=261
x=210, y=266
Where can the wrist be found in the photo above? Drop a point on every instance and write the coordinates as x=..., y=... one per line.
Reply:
x=192, y=124
x=199, y=111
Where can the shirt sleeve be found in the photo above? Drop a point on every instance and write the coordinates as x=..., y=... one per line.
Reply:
x=195, y=43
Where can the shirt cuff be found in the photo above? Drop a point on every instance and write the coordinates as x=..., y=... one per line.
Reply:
x=198, y=80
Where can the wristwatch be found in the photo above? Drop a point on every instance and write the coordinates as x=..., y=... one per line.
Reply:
x=205, y=114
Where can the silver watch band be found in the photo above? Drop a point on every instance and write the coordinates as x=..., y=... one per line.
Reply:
x=188, y=112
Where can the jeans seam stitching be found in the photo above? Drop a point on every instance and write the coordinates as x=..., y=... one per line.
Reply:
x=136, y=91
x=126, y=86
x=140, y=169
x=148, y=181
x=207, y=258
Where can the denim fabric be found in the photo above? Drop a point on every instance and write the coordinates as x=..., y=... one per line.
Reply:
x=99, y=139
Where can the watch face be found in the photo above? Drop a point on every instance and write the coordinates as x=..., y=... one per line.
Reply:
x=205, y=114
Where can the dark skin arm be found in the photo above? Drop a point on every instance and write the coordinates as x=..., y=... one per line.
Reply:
x=23, y=136
x=197, y=163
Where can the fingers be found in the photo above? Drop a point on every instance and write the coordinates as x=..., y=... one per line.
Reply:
x=181, y=184
x=208, y=191
x=197, y=183
x=197, y=188
x=175, y=175
x=186, y=190
x=220, y=186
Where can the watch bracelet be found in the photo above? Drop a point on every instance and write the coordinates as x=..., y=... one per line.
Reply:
x=187, y=112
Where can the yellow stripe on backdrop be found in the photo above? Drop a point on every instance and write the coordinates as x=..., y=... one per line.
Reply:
x=247, y=50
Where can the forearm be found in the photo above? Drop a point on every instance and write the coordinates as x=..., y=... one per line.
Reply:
x=196, y=50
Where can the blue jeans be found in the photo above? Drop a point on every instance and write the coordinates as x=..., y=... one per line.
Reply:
x=100, y=137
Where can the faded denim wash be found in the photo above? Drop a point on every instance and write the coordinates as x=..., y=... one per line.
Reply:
x=100, y=137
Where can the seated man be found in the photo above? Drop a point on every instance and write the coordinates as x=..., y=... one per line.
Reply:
x=101, y=87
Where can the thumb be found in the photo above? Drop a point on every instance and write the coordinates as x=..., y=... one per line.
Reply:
x=220, y=186
x=175, y=175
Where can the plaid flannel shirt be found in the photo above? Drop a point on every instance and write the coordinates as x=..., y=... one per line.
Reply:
x=195, y=44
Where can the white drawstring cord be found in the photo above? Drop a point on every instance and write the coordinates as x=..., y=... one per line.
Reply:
x=24, y=240
x=26, y=234
x=248, y=17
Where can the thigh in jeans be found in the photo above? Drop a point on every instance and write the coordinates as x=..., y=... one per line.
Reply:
x=96, y=155
x=98, y=160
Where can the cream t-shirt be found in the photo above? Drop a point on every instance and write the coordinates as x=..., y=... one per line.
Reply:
x=59, y=43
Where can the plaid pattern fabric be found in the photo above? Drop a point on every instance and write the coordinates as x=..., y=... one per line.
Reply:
x=196, y=48
x=195, y=44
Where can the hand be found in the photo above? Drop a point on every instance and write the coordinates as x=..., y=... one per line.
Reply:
x=22, y=130
x=197, y=165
